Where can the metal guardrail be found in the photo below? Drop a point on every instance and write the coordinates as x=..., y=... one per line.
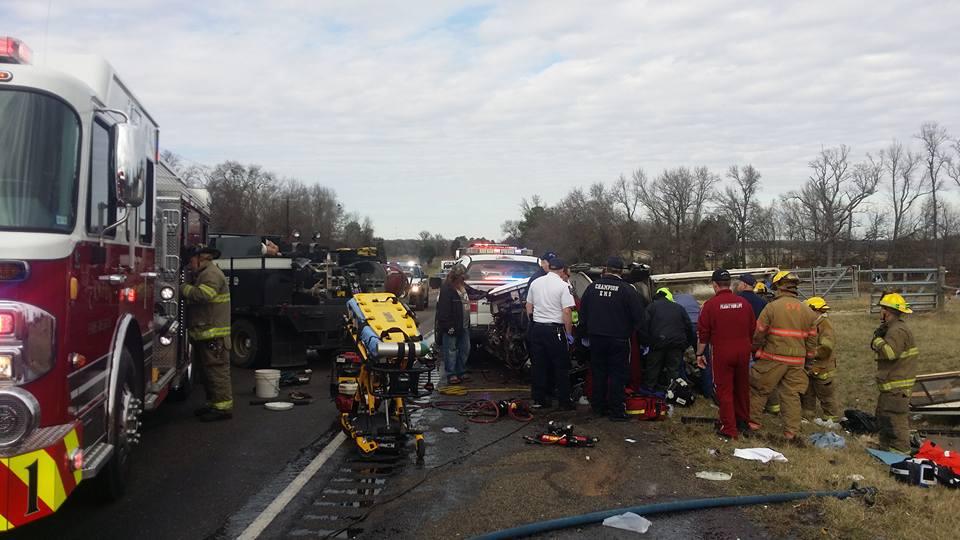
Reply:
x=829, y=281
x=923, y=288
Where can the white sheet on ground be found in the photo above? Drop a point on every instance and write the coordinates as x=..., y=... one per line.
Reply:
x=764, y=455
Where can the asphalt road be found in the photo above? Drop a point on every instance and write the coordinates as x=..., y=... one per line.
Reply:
x=191, y=480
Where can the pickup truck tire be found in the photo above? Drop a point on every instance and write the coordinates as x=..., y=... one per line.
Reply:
x=248, y=343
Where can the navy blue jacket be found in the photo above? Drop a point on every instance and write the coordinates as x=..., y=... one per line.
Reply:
x=611, y=307
x=755, y=302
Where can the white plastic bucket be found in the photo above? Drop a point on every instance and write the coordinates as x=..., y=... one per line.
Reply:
x=268, y=383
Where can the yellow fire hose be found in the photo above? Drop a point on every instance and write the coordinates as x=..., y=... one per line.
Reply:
x=452, y=390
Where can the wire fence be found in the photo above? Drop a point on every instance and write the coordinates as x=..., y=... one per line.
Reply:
x=923, y=288
x=829, y=281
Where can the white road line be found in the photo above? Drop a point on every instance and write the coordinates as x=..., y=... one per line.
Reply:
x=254, y=530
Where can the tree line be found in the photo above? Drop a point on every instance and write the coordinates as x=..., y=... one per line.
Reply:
x=886, y=208
x=247, y=199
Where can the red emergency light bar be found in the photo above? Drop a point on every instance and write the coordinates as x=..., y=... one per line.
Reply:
x=14, y=51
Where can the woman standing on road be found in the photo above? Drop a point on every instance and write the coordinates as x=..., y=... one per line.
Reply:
x=453, y=319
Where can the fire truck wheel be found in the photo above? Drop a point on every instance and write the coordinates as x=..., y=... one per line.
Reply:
x=248, y=342
x=123, y=430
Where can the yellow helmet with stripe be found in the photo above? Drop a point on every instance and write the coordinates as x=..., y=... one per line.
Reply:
x=817, y=303
x=785, y=279
x=895, y=301
x=760, y=288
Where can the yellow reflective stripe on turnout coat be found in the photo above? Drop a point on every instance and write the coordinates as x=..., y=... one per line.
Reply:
x=208, y=299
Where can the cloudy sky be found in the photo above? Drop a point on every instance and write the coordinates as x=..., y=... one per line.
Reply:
x=440, y=116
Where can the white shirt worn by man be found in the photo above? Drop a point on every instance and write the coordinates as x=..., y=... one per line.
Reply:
x=550, y=295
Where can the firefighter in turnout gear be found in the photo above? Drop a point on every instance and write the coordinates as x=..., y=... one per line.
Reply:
x=822, y=368
x=897, y=355
x=208, y=318
x=786, y=337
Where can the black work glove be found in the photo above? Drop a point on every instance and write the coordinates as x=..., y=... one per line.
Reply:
x=880, y=332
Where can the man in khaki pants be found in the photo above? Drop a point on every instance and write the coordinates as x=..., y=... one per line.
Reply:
x=785, y=338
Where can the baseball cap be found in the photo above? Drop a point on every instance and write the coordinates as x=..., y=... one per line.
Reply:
x=548, y=255
x=720, y=274
x=748, y=279
x=615, y=262
x=557, y=263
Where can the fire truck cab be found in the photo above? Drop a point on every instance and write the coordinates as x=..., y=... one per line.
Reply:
x=91, y=330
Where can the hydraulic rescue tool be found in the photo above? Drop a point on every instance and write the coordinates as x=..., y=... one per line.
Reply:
x=386, y=366
x=562, y=435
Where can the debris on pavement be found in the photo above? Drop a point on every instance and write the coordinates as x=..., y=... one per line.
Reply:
x=292, y=377
x=450, y=430
x=628, y=522
x=763, y=455
x=715, y=476
x=629, y=440
x=828, y=439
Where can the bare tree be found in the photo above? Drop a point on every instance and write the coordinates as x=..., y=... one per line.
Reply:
x=934, y=139
x=626, y=193
x=832, y=194
x=676, y=201
x=904, y=187
x=737, y=203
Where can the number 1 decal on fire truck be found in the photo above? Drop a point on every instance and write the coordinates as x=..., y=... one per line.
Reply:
x=92, y=227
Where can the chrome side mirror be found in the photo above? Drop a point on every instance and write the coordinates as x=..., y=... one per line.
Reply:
x=129, y=164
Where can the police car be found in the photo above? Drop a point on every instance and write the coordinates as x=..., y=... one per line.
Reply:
x=489, y=266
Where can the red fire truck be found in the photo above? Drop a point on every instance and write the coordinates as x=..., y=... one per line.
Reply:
x=92, y=229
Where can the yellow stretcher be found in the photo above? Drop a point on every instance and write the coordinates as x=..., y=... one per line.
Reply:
x=386, y=366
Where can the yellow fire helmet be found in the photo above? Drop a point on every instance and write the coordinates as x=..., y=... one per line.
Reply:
x=896, y=302
x=817, y=303
x=760, y=288
x=785, y=279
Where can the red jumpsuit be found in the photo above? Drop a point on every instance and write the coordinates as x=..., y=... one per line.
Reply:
x=727, y=323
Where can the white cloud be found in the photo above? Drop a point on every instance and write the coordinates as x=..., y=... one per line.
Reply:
x=440, y=116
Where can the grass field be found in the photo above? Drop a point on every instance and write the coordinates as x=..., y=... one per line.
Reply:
x=901, y=511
